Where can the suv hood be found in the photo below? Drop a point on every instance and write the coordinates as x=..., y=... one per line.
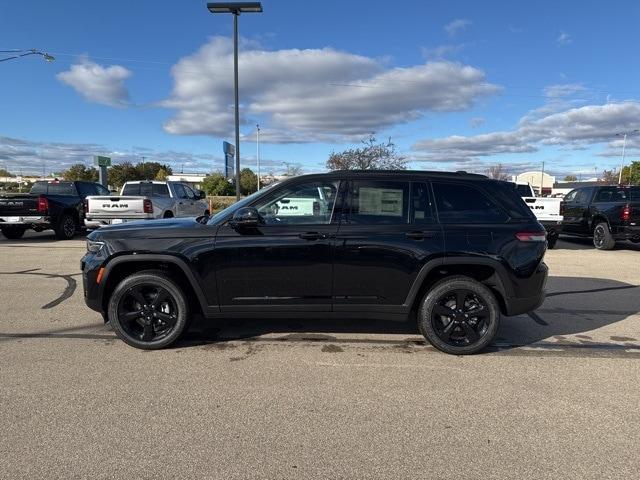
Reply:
x=164, y=228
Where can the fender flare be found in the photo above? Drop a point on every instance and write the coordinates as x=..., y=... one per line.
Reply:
x=157, y=258
x=503, y=285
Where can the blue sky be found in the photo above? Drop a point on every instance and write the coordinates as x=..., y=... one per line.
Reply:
x=457, y=84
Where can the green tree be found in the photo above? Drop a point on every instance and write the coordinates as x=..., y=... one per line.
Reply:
x=217, y=185
x=570, y=178
x=123, y=172
x=162, y=175
x=5, y=173
x=149, y=170
x=248, y=181
x=79, y=172
x=631, y=174
x=371, y=156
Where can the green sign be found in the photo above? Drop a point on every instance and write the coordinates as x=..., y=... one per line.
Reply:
x=102, y=161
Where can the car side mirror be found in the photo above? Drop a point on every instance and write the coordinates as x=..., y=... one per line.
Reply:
x=201, y=194
x=246, y=217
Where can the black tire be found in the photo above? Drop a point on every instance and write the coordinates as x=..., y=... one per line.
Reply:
x=453, y=333
x=155, y=324
x=602, y=238
x=66, y=227
x=551, y=241
x=168, y=214
x=13, y=232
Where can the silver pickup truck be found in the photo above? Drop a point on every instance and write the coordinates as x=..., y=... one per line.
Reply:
x=145, y=200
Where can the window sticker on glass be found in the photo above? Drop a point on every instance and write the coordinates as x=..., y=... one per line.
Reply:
x=380, y=201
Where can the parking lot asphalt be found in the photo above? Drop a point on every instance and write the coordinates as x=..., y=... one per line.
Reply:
x=556, y=396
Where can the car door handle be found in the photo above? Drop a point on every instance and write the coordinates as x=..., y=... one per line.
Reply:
x=311, y=236
x=419, y=235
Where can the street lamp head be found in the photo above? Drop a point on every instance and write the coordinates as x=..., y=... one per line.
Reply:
x=235, y=7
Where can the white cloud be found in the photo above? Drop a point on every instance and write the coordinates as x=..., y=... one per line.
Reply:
x=573, y=128
x=441, y=51
x=457, y=25
x=98, y=84
x=564, y=38
x=313, y=95
x=563, y=90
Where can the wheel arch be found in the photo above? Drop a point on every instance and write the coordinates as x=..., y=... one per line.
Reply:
x=599, y=218
x=489, y=272
x=125, y=265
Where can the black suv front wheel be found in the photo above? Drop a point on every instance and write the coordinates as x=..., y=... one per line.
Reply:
x=459, y=315
x=148, y=310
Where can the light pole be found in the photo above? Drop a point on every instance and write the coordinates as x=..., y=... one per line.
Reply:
x=258, y=152
x=24, y=53
x=236, y=8
x=624, y=146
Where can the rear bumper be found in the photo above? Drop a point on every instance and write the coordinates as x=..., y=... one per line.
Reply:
x=628, y=232
x=520, y=305
x=25, y=221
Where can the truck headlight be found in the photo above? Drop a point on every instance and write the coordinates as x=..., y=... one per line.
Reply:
x=93, y=246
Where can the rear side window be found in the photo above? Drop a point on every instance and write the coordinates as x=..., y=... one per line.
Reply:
x=421, y=207
x=54, y=188
x=459, y=203
x=160, y=190
x=86, y=189
x=378, y=202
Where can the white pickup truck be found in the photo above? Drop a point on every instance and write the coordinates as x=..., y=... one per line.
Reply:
x=145, y=200
x=548, y=211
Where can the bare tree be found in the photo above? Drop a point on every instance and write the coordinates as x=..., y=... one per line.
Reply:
x=371, y=156
x=609, y=177
x=497, y=172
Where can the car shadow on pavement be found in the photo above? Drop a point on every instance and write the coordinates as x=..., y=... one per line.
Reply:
x=573, y=306
x=576, y=243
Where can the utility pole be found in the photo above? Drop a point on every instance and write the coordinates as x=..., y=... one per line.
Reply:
x=144, y=170
x=624, y=145
x=541, y=178
x=258, y=152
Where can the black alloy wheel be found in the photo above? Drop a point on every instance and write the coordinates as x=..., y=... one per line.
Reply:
x=459, y=315
x=602, y=238
x=460, y=318
x=148, y=310
x=66, y=228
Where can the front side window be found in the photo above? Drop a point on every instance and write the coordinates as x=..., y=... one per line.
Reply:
x=459, y=203
x=180, y=192
x=309, y=203
x=379, y=202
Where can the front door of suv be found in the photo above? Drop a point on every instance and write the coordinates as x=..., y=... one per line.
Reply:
x=286, y=263
x=387, y=234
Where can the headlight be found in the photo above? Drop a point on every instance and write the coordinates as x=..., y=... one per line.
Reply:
x=93, y=246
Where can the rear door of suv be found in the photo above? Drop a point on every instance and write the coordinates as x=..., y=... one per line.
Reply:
x=387, y=232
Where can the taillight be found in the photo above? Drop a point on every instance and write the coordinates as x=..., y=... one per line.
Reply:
x=43, y=204
x=147, y=206
x=625, y=213
x=531, y=236
x=86, y=205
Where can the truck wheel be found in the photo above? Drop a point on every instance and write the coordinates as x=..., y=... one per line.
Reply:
x=148, y=310
x=66, y=227
x=602, y=238
x=13, y=232
x=459, y=315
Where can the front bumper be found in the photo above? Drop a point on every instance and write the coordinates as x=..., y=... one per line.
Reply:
x=553, y=227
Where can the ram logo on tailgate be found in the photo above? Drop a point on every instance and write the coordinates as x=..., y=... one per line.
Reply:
x=13, y=204
x=115, y=205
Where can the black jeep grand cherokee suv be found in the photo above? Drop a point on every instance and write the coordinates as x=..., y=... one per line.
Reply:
x=455, y=250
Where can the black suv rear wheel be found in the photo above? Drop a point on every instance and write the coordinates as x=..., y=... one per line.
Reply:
x=602, y=238
x=66, y=227
x=148, y=310
x=459, y=315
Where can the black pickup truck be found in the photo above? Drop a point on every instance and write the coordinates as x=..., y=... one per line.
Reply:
x=57, y=205
x=607, y=214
